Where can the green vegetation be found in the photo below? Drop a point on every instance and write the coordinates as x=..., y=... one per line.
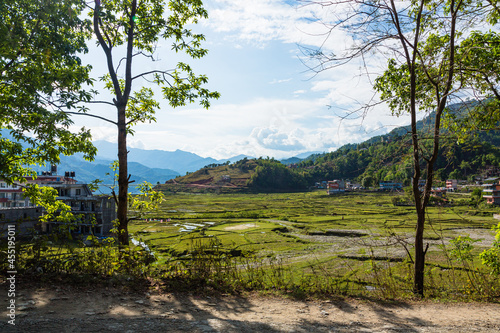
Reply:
x=311, y=243
x=42, y=80
x=299, y=244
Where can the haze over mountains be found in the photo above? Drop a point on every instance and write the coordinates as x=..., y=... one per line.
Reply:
x=144, y=165
x=179, y=161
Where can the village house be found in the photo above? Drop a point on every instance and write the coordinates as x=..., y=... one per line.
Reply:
x=353, y=186
x=491, y=192
x=95, y=214
x=451, y=185
x=321, y=185
x=335, y=186
x=389, y=185
x=438, y=192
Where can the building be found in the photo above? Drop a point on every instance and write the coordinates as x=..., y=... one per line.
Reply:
x=438, y=192
x=95, y=214
x=451, y=185
x=353, y=186
x=12, y=195
x=491, y=192
x=335, y=186
x=25, y=219
x=321, y=185
x=389, y=185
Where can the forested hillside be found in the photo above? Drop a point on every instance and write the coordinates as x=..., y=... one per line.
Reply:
x=388, y=157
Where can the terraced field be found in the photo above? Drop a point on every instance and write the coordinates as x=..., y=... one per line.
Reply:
x=305, y=227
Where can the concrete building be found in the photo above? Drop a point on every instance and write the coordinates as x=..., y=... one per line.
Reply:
x=335, y=186
x=389, y=185
x=95, y=214
x=491, y=192
x=451, y=185
x=12, y=195
x=25, y=219
x=353, y=186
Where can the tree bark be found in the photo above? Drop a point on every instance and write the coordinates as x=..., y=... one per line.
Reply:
x=419, y=269
x=123, y=180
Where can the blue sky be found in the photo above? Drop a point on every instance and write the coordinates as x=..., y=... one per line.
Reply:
x=270, y=104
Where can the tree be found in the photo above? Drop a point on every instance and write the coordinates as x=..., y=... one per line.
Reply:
x=134, y=28
x=464, y=165
x=421, y=40
x=478, y=65
x=41, y=80
x=455, y=174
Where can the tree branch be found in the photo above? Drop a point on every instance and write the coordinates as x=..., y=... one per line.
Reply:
x=92, y=115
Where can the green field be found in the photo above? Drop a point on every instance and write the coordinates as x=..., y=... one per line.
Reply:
x=297, y=244
x=338, y=235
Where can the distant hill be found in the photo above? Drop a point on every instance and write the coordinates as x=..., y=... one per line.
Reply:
x=227, y=178
x=300, y=157
x=264, y=175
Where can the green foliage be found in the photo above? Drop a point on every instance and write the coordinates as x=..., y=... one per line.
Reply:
x=146, y=202
x=41, y=80
x=46, y=197
x=479, y=65
x=143, y=25
x=491, y=256
x=462, y=248
x=55, y=254
x=271, y=175
x=476, y=196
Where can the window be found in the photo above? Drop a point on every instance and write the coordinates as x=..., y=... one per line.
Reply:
x=3, y=185
x=78, y=191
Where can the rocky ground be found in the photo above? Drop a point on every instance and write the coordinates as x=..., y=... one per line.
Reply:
x=70, y=309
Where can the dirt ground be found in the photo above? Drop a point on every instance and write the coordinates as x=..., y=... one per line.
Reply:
x=69, y=309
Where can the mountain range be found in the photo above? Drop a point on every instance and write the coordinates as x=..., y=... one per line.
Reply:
x=179, y=161
x=144, y=165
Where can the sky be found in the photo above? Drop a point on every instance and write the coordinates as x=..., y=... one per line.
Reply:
x=271, y=104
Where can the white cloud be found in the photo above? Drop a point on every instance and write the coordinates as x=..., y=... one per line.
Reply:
x=275, y=81
x=275, y=139
x=261, y=21
x=298, y=120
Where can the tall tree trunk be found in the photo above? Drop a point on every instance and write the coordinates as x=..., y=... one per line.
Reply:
x=123, y=180
x=419, y=269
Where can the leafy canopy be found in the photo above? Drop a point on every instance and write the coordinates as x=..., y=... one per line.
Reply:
x=41, y=78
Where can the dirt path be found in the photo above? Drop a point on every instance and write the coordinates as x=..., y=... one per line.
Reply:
x=110, y=310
